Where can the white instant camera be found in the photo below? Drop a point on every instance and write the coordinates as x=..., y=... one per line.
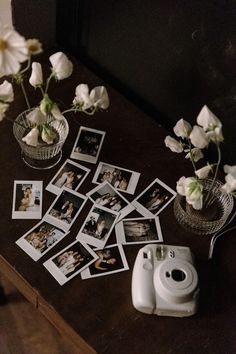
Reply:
x=164, y=281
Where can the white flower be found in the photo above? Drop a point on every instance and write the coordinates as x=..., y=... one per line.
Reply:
x=32, y=137
x=82, y=96
x=56, y=112
x=230, y=184
x=211, y=124
x=36, y=116
x=36, y=78
x=6, y=92
x=3, y=108
x=182, y=128
x=230, y=170
x=196, y=154
x=13, y=51
x=198, y=137
x=173, y=144
x=203, y=172
x=99, y=97
x=61, y=65
x=48, y=135
x=192, y=190
x=34, y=46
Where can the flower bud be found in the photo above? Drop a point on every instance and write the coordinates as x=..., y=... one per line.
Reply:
x=36, y=78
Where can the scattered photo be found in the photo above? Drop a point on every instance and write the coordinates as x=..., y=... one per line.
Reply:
x=40, y=239
x=70, y=261
x=97, y=226
x=154, y=198
x=27, y=200
x=71, y=175
x=65, y=208
x=88, y=145
x=121, y=179
x=110, y=260
x=139, y=230
x=107, y=196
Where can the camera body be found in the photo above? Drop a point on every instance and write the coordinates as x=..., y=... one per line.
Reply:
x=164, y=281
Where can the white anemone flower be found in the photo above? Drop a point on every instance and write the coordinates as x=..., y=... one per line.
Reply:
x=3, y=108
x=82, y=96
x=34, y=46
x=6, y=92
x=198, y=137
x=32, y=137
x=195, y=154
x=62, y=67
x=203, y=172
x=13, y=51
x=36, y=116
x=182, y=128
x=36, y=78
x=99, y=97
x=173, y=144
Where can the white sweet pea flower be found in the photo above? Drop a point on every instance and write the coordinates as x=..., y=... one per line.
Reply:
x=173, y=144
x=198, y=137
x=196, y=154
x=180, y=186
x=99, y=97
x=203, y=172
x=211, y=124
x=36, y=117
x=32, y=137
x=36, y=78
x=48, y=135
x=230, y=184
x=230, y=170
x=192, y=190
x=13, y=51
x=182, y=128
x=3, y=108
x=82, y=96
x=62, y=67
x=56, y=112
x=6, y=92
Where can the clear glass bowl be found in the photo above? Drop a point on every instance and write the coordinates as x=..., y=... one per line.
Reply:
x=196, y=222
x=43, y=156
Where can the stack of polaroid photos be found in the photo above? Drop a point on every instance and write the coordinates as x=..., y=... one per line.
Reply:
x=90, y=254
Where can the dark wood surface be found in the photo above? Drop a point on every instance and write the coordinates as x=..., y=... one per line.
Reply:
x=97, y=314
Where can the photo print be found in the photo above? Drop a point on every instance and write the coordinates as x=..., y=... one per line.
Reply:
x=71, y=175
x=88, y=145
x=97, y=226
x=40, y=239
x=154, y=198
x=65, y=208
x=27, y=200
x=70, y=261
x=110, y=260
x=108, y=197
x=139, y=230
x=121, y=179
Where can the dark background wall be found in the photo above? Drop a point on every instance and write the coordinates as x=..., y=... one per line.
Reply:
x=170, y=57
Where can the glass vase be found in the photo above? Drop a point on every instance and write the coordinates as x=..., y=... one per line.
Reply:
x=43, y=156
x=208, y=220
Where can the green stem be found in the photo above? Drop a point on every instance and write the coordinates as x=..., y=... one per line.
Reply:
x=208, y=200
x=191, y=154
x=25, y=94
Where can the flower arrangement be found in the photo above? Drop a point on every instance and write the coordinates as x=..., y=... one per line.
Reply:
x=192, y=141
x=15, y=60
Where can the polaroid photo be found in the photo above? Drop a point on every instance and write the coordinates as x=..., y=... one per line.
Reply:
x=97, y=227
x=120, y=178
x=138, y=230
x=40, y=239
x=27, y=200
x=107, y=196
x=88, y=145
x=110, y=260
x=65, y=209
x=154, y=198
x=70, y=261
x=71, y=175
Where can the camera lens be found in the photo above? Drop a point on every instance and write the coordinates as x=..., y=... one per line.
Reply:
x=178, y=275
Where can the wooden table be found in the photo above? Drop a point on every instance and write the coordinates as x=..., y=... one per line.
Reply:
x=97, y=314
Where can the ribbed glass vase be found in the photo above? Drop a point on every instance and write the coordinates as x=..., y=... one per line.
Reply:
x=208, y=220
x=43, y=156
